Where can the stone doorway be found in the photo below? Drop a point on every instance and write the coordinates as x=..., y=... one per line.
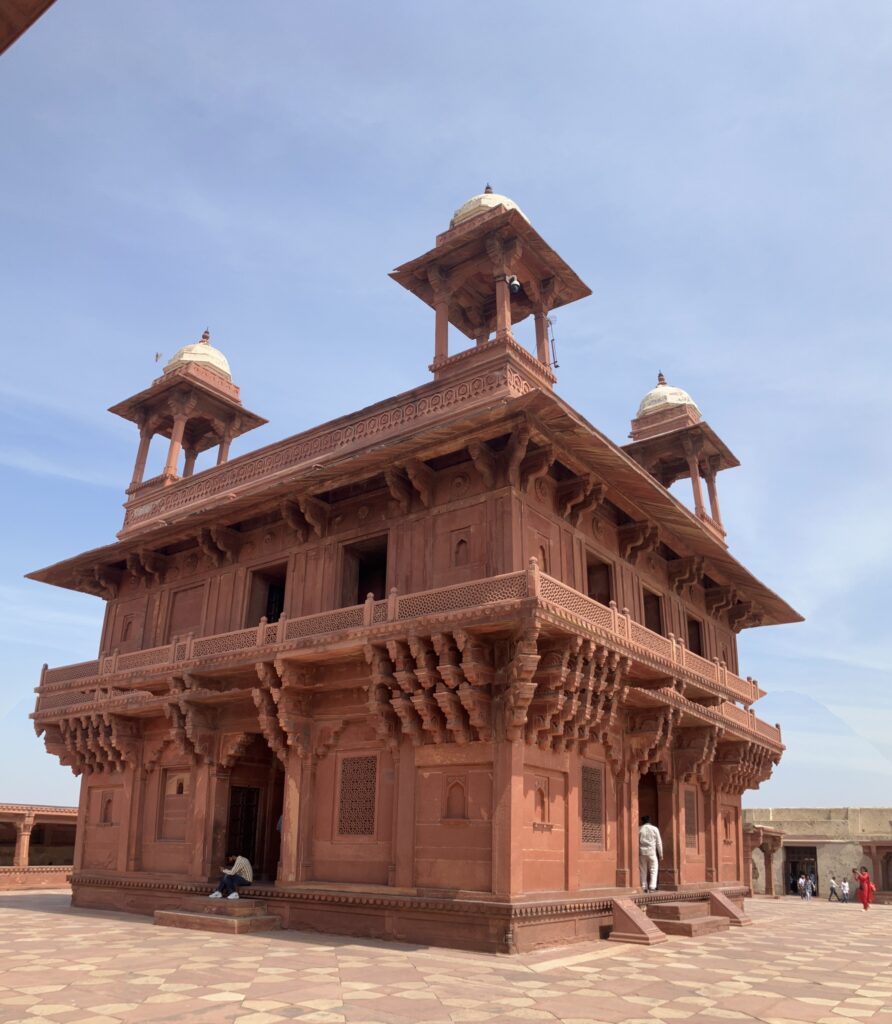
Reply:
x=648, y=802
x=256, y=792
x=800, y=860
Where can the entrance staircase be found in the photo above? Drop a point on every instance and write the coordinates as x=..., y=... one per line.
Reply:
x=230, y=917
x=650, y=922
x=689, y=919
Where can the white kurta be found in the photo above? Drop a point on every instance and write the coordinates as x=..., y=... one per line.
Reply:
x=650, y=851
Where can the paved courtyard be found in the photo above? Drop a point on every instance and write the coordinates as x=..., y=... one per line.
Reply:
x=799, y=962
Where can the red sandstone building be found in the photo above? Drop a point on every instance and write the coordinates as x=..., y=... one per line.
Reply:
x=457, y=642
x=36, y=846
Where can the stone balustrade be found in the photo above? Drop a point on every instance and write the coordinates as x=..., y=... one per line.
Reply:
x=69, y=685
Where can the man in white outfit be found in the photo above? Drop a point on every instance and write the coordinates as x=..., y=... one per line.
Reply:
x=650, y=853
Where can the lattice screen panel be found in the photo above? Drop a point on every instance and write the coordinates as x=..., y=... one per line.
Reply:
x=592, y=806
x=356, y=804
x=690, y=819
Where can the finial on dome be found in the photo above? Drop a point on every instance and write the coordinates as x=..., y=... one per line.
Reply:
x=660, y=378
x=206, y=337
x=488, y=190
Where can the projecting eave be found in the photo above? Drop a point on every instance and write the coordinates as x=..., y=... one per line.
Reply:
x=651, y=501
x=583, y=448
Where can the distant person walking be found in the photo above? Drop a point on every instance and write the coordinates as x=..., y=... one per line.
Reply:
x=809, y=888
x=866, y=888
x=650, y=853
x=834, y=890
x=800, y=885
x=844, y=886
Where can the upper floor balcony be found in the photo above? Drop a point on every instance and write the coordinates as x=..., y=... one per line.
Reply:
x=655, y=659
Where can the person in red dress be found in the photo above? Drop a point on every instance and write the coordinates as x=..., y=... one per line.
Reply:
x=866, y=888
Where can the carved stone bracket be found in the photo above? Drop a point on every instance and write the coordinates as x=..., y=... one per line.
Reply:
x=536, y=464
x=635, y=538
x=741, y=766
x=649, y=738
x=685, y=571
x=719, y=599
x=579, y=495
x=422, y=477
x=316, y=512
x=743, y=614
x=295, y=519
x=485, y=462
x=694, y=753
x=400, y=487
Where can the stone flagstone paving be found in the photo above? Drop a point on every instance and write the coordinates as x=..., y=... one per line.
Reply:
x=819, y=963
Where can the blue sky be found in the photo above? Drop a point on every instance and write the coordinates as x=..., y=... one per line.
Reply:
x=718, y=174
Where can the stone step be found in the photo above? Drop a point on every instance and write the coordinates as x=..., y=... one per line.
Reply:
x=681, y=910
x=223, y=908
x=217, y=922
x=692, y=927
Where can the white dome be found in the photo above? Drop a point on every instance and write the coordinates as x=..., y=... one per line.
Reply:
x=664, y=396
x=201, y=352
x=487, y=200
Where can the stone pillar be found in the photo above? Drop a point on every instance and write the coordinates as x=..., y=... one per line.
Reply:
x=225, y=442
x=768, y=852
x=213, y=808
x=711, y=469
x=288, y=852
x=176, y=442
x=81, y=831
x=305, y=825
x=627, y=829
x=710, y=831
x=542, y=353
x=189, y=466
x=136, y=813
x=669, y=812
x=441, y=336
x=507, y=818
x=503, y=308
x=22, y=841
x=142, y=454
x=404, y=816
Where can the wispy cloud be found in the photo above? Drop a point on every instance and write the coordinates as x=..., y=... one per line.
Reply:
x=42, y=465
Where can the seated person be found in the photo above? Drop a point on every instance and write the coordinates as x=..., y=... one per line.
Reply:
x=238, y=873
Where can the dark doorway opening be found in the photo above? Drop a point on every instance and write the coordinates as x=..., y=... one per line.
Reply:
x=653, y=612
x=598, y=580
x=266, y=597
x=244, y=809
x=648, y=803
x=256, y=794
x=365, y=571
x=800, y=860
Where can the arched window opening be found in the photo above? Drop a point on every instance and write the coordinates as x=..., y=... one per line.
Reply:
x=460, y=554
x=456, y=803
x=107, y=808
x=541, y=804
x=543, y=558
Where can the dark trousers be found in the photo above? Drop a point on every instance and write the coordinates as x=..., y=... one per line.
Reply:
x=833, y=893
x=229, y=883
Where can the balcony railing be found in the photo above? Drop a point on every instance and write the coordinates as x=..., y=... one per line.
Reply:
x=666, y=654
